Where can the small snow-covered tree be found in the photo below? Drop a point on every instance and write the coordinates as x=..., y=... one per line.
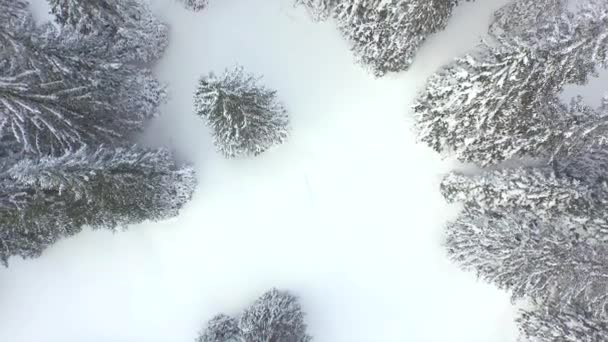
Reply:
x=221, y=328
x=245, y=117
x=570, y=323
x=531, y=256
x=385, y=35
x=275, y=316
x=501, y=102
x=45, y=199
x=195, y=5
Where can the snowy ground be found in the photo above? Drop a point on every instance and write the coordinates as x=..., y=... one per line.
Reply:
x=347, y=214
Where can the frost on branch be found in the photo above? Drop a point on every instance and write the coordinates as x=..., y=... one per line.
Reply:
x=501, y=101
x=531, y=256
x=45, y=199
x=570, y=323
x=276, y=316
x=246, y=118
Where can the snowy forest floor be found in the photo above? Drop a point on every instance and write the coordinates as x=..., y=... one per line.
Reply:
x=347, y=214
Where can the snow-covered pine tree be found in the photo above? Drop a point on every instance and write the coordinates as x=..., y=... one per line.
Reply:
x=117, y=30
x=221, y=328
x=526, y=19
x=586, y=129
x=245, y=117
x=195, y=5
x=318, y=9
x=501, y=101
x=570, y=323
x=531, y=256
x=55, y=95
x=45, y=199
x=574, y=191
x=14, y=21
x=275, y=316
x=385, y=35
x=93, y=15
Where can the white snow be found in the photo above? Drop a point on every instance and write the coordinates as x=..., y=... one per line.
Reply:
x=347, y=214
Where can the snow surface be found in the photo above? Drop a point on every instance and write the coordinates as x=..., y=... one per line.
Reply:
x=347, y=214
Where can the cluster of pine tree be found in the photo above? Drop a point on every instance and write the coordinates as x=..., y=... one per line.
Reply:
x=275, y=316
x=384, y=35
x=73, y=98
x=538, y=228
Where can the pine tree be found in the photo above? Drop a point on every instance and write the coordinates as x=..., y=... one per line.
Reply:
x=501, y=102
x=92, y=15
x=318, y=9
x=564, y=324
x=121, y=30
x=195, y=5
x=275, y=316
x=573, y=191
x=531, y=256
x=528, y=19
x=45, y=199
x=221, y=328
x=245, y=118
x=385, y=35
x=55, y=95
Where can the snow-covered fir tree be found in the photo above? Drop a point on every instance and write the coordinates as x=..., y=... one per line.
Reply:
x=245, y=117
x=275, y=316
x=526, y=19
x=574, y=191
x=120, y=30
x=531, y=256
x=501, y=102
x=93, y=15
x=569, y=323
x=56, y=95
x=385, y=35
x=318, y=9
x=195, y=5
x=45, y=199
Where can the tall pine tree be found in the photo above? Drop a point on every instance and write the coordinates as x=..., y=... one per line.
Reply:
x=501, y=102
x=45, y=199
x=384, y=35
x=56, y=94
x=537, y=231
